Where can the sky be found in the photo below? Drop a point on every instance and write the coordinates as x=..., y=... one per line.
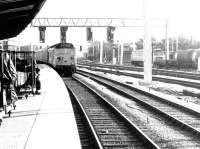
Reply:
x=182, y=17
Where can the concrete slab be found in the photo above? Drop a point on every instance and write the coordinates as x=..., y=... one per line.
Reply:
x=42, y=121
x=55, y=125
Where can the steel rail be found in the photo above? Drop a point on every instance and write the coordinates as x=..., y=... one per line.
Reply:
x=143, y=136
x=99, y=145
x=186, y=126
x=180, y=74
x=155, y=78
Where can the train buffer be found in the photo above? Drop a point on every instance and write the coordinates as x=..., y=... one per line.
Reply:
x=42, y=121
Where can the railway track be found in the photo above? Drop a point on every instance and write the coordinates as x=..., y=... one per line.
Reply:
x=86, y=134
x=111, y=127
x=180, y=74
x=185, y=121
x=154, y=78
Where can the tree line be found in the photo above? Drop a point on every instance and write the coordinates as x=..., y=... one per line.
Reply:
x=183, y=44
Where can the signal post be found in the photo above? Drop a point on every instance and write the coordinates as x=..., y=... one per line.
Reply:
x=122, y=53
x=101, y=52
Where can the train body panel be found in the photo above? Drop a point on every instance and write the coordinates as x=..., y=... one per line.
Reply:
x=188, y=58
x=180, y=59
x=111, y=51
x=42, y=56
x=185, y=56
x=137, y=55
x=137, y=58
x=61, y=56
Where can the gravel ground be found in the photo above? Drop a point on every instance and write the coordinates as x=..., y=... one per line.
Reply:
x=158, y=129
x=175, y=90
x=170, y=89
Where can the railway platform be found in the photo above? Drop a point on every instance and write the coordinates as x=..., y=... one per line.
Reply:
x=42, y=121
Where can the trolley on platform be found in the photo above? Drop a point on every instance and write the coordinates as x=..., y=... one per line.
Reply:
x=17, y=78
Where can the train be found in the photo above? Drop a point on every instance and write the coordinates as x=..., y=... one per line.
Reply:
x=158, y=58
x=186, y=59
x=61, y=56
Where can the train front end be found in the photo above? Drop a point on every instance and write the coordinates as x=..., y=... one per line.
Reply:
x=65, y=62
x=63, y=58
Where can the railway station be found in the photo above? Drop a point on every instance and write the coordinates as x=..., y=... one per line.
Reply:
x=93, y=82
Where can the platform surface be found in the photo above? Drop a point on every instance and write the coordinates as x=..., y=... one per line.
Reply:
x=42, y=121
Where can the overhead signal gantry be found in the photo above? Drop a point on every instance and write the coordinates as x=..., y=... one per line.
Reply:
x=111, y=24
x=87, y=22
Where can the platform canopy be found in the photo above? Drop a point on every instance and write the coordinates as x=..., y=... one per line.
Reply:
x=15, y=15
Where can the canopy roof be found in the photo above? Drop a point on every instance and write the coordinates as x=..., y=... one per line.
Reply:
x=15, y=15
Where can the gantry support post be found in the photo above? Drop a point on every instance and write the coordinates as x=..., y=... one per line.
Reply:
x=147, y=52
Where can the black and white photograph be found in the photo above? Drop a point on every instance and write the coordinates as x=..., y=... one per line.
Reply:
x=99, y=74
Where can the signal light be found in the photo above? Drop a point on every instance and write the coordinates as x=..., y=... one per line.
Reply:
x=110, y=33
x=63, y=30
x=89, y=33
x=42, y=33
